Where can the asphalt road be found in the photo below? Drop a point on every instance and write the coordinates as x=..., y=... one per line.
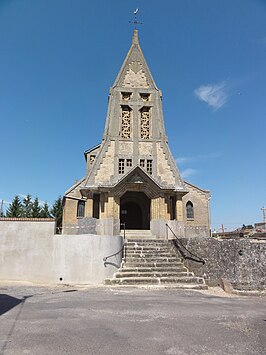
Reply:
x=36, y=320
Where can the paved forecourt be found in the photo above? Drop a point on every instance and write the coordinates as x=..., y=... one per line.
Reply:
x=115, y=320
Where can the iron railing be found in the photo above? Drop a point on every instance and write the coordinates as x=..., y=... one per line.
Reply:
x=186, y=254
x=122, y=250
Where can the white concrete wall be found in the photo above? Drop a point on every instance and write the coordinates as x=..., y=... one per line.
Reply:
x=29, y=251
x=10, y=226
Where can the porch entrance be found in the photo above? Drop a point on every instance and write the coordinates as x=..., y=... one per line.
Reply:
x=135, y=210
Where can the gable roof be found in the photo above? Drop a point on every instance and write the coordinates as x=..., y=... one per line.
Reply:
x=75, y=185
x=137, y=180
x=195, y=187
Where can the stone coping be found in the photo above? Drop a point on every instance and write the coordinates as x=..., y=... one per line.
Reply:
x=6, y=219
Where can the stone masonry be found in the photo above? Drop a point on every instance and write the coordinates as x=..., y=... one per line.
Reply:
x=132, y=177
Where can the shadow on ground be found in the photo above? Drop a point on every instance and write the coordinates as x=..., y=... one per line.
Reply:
x=8, y=302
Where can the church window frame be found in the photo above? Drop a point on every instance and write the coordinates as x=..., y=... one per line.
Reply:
x=189, y=210
x=129, y=162
x=81, y=209
x=126, y=122
x=145, y=97
x=149, y=166
x=121, y=166
x=145, y=122
x=92, y=158
x=126, y=96
x=142, y=163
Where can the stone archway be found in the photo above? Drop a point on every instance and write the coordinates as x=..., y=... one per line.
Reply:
x=135, y=210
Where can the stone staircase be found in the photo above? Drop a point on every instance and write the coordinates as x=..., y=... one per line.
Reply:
x=154, y=262
x=135, y=234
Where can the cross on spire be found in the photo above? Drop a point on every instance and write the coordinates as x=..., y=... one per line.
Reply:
x=135, y=22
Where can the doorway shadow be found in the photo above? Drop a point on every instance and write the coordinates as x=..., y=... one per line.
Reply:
x=135, y=210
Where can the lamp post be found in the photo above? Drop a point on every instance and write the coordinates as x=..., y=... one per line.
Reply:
x=264, y=216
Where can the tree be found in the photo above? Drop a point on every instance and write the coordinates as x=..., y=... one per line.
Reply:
x=249, y=226
x=35, y=208
x=1, y=209
x=44, y=213
x=27, y=206
x=15, y=209
x=57, y=212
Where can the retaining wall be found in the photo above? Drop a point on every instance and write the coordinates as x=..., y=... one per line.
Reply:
x=30, y=251
x=242, y=262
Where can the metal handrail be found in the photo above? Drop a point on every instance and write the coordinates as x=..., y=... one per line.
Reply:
x=178, y=244
x=119, y=251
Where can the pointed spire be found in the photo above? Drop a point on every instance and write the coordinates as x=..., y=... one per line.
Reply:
x=135, y=62
x=135, y=38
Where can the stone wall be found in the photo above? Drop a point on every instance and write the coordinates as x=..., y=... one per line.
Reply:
x=197, y=231
x=242, y=262
x=200, y=201
x=30, y=251
x=163, y=168
x=70, y=212
x=106, y=169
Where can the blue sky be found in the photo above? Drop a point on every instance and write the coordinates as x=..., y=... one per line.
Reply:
x=58, y=59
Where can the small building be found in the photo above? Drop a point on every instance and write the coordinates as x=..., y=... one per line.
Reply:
x=132, y=179
x=260, y=226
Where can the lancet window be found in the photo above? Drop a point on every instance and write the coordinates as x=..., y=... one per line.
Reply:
x=81, y=209
x=126, y=122
x=190, y=210
x=145, y=123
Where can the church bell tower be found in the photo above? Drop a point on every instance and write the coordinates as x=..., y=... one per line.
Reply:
x=131, y=177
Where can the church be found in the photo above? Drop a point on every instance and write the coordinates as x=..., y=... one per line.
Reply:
x=132, y=181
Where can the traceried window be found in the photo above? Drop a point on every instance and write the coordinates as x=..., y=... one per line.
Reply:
x=149, y=167
x=125, y=122
x=81, y=209
x=190, y=210
x=121, y=166
x=142, y=163
x=129, y=162
x=145, y=123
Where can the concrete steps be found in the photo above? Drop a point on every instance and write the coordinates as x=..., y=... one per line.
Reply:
x=146, y=253
x=127, y=274
x=144, y=269
x=153, y=280
x=137, y=234
x=154, y=262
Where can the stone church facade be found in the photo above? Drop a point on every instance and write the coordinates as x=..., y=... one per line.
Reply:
x=131, y=177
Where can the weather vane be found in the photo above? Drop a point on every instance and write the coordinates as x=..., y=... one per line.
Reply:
x=135, y=22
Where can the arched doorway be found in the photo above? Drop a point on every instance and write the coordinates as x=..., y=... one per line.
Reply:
x=135, y=210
